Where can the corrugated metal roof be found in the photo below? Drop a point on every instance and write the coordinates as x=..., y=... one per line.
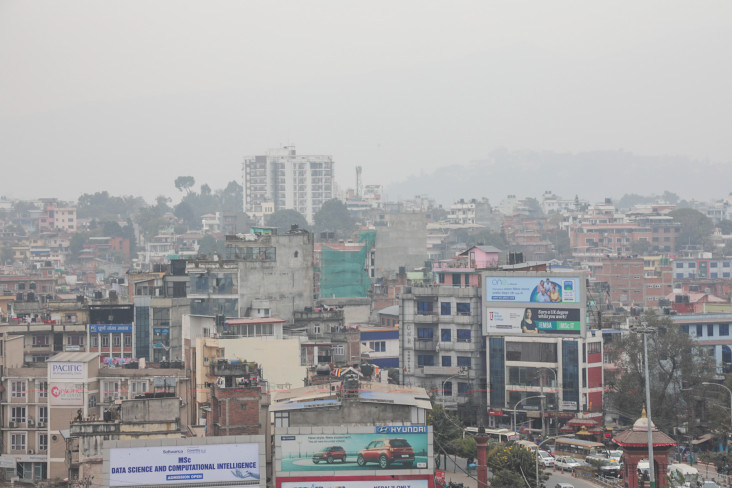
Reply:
x=77, y=357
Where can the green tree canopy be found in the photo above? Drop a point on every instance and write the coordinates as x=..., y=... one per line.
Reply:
x=695, y=226
x=505, y=462
x=184, y=183
x=284, y=219
x=333, y=216
x=676, y=363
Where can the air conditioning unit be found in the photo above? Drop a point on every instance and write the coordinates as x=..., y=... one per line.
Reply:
x=42, y=425
x=11, y=424
x=31, y=422
x=31, y=451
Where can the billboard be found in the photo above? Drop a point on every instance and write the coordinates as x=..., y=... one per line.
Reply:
x=341, y=483
x=109, y=328
x=533, y=289
x=396, y=448
x=66, y=394
x=66, y=370
x=184, y=464
x=532, y=320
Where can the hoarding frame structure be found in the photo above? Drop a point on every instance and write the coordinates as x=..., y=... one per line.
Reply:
x=295, y=451
x=517, y=292
x=213, y=461
x=393, y=481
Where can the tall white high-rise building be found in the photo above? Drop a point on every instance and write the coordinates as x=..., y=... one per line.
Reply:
x=282, y=179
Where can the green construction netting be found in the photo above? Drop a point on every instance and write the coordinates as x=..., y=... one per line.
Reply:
x=343, y=273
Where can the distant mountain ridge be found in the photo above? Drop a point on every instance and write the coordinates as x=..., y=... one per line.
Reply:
x=590, y=175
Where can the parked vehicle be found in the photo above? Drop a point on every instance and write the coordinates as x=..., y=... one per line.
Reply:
x=386, y=452
x=567, y=462
x=330, y=454
x=614, y=455
x=564, y=485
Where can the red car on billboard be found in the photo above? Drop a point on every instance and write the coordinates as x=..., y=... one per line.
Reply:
x=386, y=452
x=330, y=454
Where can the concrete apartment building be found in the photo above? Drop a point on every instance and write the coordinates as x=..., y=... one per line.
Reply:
x=539, y=345
x=43, y=402
x=275, y=273
x=441, y=346
x=632, y=284
x=283, y=179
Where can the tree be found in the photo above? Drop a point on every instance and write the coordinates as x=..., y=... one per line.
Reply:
x=676, y=362
x=695, y=226
x=77, y=243
x=507, y=479
x=534, y=207
x=725, y=226
x=284, y=219
x=231, y=198
x=505, y=462
x=446, y=428
x=185, y=183
x=333, y=216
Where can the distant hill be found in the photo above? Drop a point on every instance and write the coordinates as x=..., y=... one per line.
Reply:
x=591, y=175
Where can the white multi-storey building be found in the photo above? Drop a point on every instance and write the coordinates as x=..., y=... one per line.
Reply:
x=282, y=179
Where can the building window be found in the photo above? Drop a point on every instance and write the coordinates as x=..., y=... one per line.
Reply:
x=692, y=265
x=425, y=360
x=43, y=414
x=40, y=341
x=116, y=340
x=17, y=389
x=594, y=348
x=17, y=415
x=138, y=387
x=110, y=391
x=446, y=335
x=424, y=308
x=94, y=341
x=679, y=265
x=463, y=388
x=445, y=308
x=17, y=442
x=43, y=389
x=710, y=330
x=699, y=330
x=464, y=335
x=43, y=442
x=464, y=361
x=426, y=333
x=463, y=308
x=455, y=279
x=447, y=388
x=282, y=419
x=75, y=340
x=442, y=278
x=446, y=361
x=105, y=340
x=713, y=264
x=340, y=350
x=378, y=346
x=685, y=328
x=724, y=329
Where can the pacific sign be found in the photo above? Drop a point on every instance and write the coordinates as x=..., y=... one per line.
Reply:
x=66, y=370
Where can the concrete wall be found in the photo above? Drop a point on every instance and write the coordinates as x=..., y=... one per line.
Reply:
x=278, y=358
x=352, y=413
x=286, y=282
x=150, y=409
x=402, y=243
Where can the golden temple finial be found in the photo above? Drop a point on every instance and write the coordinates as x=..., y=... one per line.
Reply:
x=643, y=413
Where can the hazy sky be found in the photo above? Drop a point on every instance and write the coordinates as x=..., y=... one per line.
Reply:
x=124, y=96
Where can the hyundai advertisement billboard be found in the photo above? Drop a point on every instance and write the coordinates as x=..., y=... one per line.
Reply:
x=385, y=448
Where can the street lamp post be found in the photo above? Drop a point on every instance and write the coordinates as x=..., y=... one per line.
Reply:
x=459, y=373
x=517, y=404
x=645, y=330
x=730, y=397
x=556, y=401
